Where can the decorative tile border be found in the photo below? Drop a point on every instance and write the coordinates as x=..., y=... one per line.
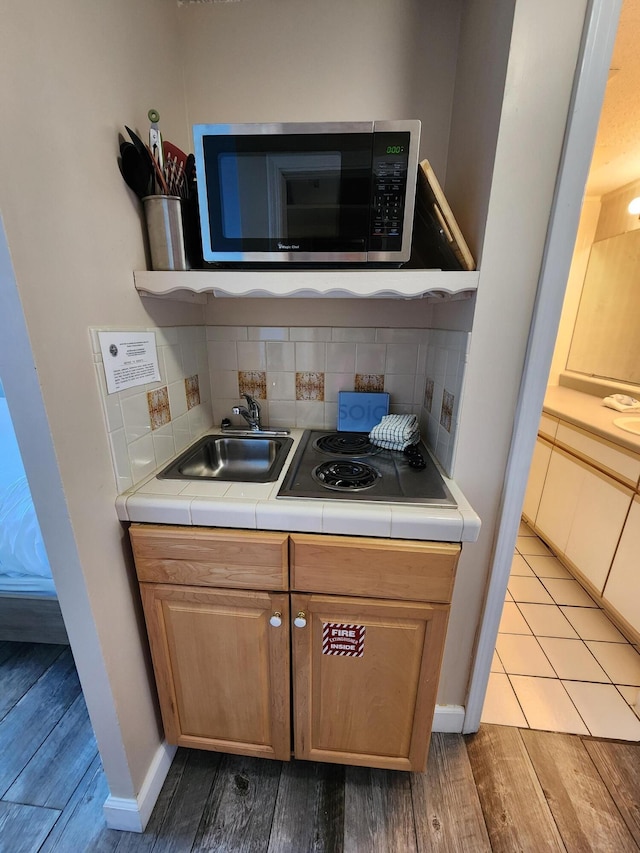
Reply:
x=446, y=360
x=369, y=382
x=428, y=394
x=158, y=403
x=192, y=391
x=446, y=412
x=310, y=386
x=253, y=382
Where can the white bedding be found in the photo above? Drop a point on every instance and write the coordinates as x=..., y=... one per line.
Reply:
x=24, y=566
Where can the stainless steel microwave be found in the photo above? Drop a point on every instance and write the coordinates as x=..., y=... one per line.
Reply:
x=312, y=193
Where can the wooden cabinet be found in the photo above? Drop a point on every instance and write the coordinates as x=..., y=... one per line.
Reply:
x=221, y=669
x=372, y=706
x=225, y=668
x=622, y=590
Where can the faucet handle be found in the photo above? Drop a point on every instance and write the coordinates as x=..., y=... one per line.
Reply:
x=254, y=406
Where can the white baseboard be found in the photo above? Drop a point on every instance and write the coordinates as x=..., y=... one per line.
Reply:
x=448, y=718
x=132, y=814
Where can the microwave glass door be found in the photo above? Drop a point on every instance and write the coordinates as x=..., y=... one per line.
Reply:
x=288, y=194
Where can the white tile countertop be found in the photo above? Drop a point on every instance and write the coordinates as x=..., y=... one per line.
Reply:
x=254, y=506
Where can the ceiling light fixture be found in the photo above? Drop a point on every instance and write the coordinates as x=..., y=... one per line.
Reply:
x=634, y=206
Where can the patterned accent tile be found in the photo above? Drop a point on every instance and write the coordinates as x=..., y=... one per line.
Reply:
x=253, y=382
x=446, y=412
x=428, y=394
x=310, y=386
x=192, y=389
x=158, y=402
x=369, y=382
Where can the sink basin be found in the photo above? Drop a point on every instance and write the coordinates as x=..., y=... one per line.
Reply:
x=244, y=459
x=629, y=424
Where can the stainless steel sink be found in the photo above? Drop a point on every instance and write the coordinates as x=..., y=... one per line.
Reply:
x=245, y=459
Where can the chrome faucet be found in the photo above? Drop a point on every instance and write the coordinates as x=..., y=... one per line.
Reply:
x=251, y=413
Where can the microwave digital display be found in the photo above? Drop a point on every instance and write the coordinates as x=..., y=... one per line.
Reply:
x=305, y=193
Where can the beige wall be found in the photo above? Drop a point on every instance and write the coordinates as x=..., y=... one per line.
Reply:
x=263, y=311
x=298, y=60
x=74, y=72
x=485, y=32
x=545, y=43
x=614, y=216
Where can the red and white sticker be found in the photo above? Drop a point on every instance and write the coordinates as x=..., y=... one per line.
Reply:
x=342, y=639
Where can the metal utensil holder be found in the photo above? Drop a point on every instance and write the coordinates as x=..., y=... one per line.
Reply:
x=165, y=218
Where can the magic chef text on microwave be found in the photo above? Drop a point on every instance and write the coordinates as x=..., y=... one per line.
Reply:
x=307, y=193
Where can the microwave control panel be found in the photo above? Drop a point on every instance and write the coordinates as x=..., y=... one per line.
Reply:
x=389, y=169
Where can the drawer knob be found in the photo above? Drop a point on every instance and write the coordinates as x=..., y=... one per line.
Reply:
x=301, y=620
x=276, y=619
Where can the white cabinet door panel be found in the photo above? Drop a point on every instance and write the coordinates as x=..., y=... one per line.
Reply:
x=537, y=476
x=559, y=499
x=601, y=509
x=622, y=590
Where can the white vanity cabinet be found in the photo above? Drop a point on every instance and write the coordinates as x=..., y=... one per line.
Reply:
x=581, y=513
x=580, y=491
x=622, y=590
x=537, y=477
x=539, y=465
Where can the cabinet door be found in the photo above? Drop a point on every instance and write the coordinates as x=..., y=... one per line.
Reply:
x=581, y=515
x=222, y=670
x=370, y=699
x=622, y=589
x=559, y=499
x=537, y=476
x=601, y=509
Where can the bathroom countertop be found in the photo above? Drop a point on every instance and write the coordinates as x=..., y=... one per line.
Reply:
x=586, y=411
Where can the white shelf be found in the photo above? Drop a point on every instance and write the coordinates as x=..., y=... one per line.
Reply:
x=195, y=285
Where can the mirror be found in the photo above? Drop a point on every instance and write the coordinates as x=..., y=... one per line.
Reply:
x=606, y=335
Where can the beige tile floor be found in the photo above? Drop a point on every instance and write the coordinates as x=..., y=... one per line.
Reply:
x=560, y=665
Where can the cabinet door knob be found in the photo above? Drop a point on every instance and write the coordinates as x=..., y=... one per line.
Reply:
x=301, y=620
x=276, y=619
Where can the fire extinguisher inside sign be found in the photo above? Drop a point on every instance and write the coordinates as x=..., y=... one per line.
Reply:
x=342, y=639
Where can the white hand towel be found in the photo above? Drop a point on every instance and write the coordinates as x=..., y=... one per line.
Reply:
x=395, y=432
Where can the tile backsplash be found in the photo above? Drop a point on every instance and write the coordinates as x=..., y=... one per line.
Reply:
x=295, y=373
x=147, y=425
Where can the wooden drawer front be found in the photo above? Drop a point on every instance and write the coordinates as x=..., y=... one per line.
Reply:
x=622, y=464
x=210, y=557
x=350, y=565
x=548, y=426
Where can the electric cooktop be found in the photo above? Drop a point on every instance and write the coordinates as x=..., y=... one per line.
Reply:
x=346, y=466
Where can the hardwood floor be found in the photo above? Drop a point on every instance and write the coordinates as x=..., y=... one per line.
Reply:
x=502, y=789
